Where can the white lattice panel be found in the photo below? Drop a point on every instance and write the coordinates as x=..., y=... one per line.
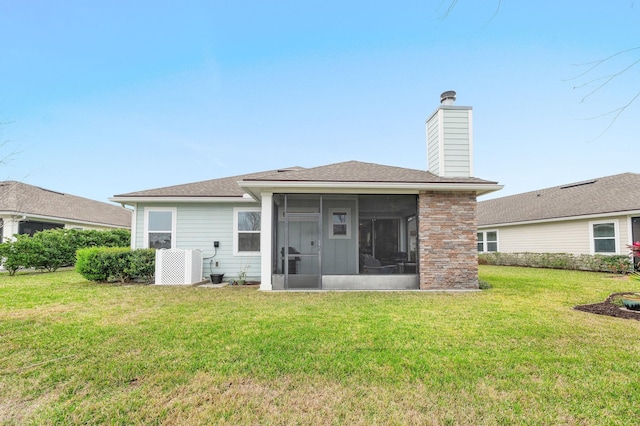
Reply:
x=178, y=266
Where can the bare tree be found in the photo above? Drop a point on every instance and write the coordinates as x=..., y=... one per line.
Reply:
x=3, y=157
x=453, y=3
x=588, y=78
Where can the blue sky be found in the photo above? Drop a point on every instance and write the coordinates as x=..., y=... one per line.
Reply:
x=104, y=98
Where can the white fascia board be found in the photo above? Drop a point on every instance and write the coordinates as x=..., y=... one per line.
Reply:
x=133, y=200
x=562, y=219
x=441, y=107
x=364, y=187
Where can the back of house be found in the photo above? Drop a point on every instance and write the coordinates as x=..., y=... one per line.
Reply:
x=348, y=225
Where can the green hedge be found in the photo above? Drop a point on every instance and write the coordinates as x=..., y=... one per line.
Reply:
x=51, y=249
x=598, y=263
x=16, y=254
x=105, y=264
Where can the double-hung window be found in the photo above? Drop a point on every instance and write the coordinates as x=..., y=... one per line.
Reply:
x=487, y=241
x=247, y=224
x=160, y=227
x=603, y=237
x=340, y=223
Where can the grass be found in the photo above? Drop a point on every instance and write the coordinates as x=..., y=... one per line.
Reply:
x=74, y=352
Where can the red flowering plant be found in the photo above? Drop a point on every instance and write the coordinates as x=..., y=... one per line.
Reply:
x=635, y=253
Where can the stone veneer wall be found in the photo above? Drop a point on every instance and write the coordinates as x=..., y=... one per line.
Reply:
x=447, y=240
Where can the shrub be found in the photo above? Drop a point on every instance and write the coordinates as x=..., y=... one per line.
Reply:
x=51, y=249
x=142, y=264
x=89, y=264
x=598, y=263
x=104, y=264
x=15, y=254
x=483, y=285
x=615, y=264
x=99, y=238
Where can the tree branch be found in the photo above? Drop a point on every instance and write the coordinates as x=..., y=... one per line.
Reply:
x=603, y=81
x=453, y=4
x=616, y=113
x=595, y=64
x=609, y=78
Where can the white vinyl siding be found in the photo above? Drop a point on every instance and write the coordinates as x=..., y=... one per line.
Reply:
x=449, y=142
x=433, y=147
x=457, y=142
x=198, y=225
x=571, y=236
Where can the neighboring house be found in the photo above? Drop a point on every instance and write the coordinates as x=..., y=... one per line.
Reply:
x=26, y=209
x=597, y=216
x=350, y=225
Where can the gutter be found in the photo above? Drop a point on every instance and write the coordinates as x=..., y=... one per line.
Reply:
x=364, y=187
x=133, y=200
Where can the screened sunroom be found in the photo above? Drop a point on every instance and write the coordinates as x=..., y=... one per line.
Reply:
x=344, y=241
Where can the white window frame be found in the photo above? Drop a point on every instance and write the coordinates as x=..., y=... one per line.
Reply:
x=332, y=235
x=485, y=241
x=174, y=221
x=616, y=236
x=236, y=211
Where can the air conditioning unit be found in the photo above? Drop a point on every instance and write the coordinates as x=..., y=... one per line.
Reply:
x=175, y=266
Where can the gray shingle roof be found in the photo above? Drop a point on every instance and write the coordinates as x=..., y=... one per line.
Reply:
x=350, y=171
x=610, y=194
x=357, y=171
x=223, y=187
x=21, y=198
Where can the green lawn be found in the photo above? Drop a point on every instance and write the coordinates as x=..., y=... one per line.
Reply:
x=75, y=352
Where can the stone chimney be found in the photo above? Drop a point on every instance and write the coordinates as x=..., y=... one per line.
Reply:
x=450, y=139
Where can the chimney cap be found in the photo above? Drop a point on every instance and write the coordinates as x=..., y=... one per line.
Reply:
x=448, y=97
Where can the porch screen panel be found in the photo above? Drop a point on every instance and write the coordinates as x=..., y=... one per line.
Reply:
x=388, y=234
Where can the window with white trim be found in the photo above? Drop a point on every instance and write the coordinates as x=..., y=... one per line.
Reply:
x=160, y=227
x=340, y=227
x=604, y=237
x=487, y=241
x=247, y=223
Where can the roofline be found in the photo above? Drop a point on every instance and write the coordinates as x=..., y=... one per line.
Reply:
x=311, y=187
x=443, y=106
x=562, y=219
x=27, y=215
x=369, y=187
x=132, y=199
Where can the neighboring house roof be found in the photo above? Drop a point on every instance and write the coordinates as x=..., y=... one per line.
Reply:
x=17, y=198
x=610, y=194
x=354, y=173
x=224, y=187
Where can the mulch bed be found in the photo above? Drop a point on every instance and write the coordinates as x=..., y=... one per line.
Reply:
x=609, y=308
